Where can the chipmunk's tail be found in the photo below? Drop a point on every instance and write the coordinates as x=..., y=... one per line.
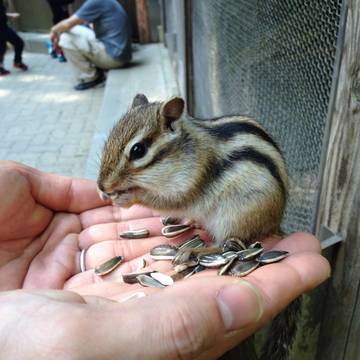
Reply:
x=282, y=333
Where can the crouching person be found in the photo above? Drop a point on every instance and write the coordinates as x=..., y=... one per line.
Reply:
x=103, y=46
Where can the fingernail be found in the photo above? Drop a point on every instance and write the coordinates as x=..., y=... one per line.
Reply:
x=240, y=305
x=133, y=296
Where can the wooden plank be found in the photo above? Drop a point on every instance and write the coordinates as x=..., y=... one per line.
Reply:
x=339, y=205
x=143, y=21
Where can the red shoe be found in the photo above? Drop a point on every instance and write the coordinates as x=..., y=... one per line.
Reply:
x=3, y=71
x=20, y=66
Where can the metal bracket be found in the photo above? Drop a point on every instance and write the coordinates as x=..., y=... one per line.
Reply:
x=328, y=237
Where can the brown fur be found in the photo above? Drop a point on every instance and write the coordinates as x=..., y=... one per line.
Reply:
x=188, y=171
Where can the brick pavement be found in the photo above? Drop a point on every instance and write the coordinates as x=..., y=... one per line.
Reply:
x=44, y=123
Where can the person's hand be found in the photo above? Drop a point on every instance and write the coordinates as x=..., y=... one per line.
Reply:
x=198, y=318
x=46, y=219
x=54, y=37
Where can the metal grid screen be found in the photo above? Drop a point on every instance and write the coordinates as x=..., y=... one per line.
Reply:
x=273, y=60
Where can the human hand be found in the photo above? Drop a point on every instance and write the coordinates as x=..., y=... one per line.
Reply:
x=55, y=38
x=200, y=318
x=45, y=220
x=39, y=247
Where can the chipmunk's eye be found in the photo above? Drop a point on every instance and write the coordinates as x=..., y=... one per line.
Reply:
x=137, y=151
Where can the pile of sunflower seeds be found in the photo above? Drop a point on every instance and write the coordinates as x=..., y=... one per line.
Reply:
x=193, y=256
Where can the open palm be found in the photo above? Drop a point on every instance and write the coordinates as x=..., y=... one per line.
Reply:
x=45, y=221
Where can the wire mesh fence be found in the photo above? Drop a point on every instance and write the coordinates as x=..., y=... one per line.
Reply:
x=273, y=60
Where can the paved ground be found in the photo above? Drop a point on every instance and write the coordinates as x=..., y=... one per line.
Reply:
x=43, y=122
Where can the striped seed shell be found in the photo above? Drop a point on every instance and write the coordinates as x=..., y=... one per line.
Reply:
x=212, y=260
x=272, y=256
x=135, y=234
x=249, y=254
x=180, y=268
x=194, y=243
x=163, y=252
x=108, y=266
x=169, y=220
x=164, y=279
x=229, y=254
x=224, y=269
x=254, y=245
x=148, y=281
x=195, y=270
x=234, y=244
x=242, y=268
x=170, y=231
x=183, y=256
x=131, y=278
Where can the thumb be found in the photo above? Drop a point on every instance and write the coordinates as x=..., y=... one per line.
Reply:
x=186, y=320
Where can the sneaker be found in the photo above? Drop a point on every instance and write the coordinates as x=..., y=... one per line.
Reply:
x=61, y=58
x=90, y=84
x=3, y=71
x=20, y=66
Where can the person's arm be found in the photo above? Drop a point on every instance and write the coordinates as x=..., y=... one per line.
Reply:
x=66, y=25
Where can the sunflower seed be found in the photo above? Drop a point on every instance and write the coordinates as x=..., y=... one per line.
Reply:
x=212, y=261
x=182, y=256
x=224, y=269
x=180, y=268
x=242, y=268
x=229, y=254
x=148, y=281
x=234, y=244
x=256, y=245
x=194, y=270
x=169, y=220
x=170, y=231
x=108, y=266
x=135, y=234
x=164, y=279
x=194, y=243
x=131, y=278
x=249, y=254
x=163, y=252
x=143, y=263
x=272, y=256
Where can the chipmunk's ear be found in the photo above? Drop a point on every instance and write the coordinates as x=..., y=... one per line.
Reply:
x=139, y=99
x=171, y=110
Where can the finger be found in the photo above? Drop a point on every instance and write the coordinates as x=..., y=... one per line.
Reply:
x=99, y=252
x=296, y=242
x=63, y=193
x=58, y=295
x=108, y=214
x=188, y=319
x=299, y=242
x=101, y=232
x=113, y=290
x=135, y=265
x=276, y=295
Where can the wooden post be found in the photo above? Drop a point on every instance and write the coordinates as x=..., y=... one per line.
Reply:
x=143, y=21
x=339, y=206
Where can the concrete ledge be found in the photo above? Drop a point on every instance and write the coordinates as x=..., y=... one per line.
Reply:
x=150, y=74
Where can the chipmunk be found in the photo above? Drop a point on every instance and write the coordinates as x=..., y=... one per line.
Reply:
x=226, y=174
